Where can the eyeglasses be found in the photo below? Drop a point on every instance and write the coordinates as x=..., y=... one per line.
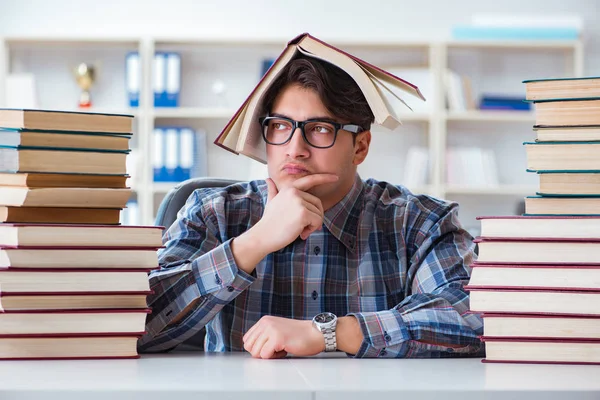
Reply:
x=317, y=133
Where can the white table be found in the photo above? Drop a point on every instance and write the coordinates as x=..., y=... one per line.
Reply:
x=200, y=376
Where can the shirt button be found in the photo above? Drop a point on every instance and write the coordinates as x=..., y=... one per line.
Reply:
x=217, y=279
x=387, y=337
x=382, y=352
x=317, y=250
x=315, y=294
x=230, y=288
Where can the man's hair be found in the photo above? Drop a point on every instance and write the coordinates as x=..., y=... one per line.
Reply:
x=337, y=90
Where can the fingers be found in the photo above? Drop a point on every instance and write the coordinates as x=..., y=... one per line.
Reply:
x=307, y=182
x=272, y=188
x=258, y=345
x=312, y=200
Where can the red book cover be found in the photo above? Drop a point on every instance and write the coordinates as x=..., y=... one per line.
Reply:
x=529, y=289
x=539, y=217
x=85, y=225
x=294, y=42
x=478, y=264
x=539, y=340
x=482, y=239
x=6, y=294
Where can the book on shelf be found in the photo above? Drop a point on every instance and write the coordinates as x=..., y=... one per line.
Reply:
x=416, y=167
x=166, y=79
x=59, y=215
x=48, y=180
x=562, y=88
x=15, y=235
x=503, y=102
x=74, y=140
x=519, y=276
x=179, y=153
x=73, y=301
x=534, y=301
x=459, y=92
x=567, y=112
x=25, y=159
x=519, y=226
x=100, y=321
x=69, y=281
x=63, y=197
x=574, y=183
x=568, y=134
x=538, y=250
x=81, y=346
x=242, y=134
x=542, y=351
x=563, y=326
x=78, y=257
x=562, y=205
x=466, y=32
x=562, y=156
x=70, y=121
x=471, y=166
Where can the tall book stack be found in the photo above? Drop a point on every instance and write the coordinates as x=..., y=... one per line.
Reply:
x=74, y=282
x=537, y=278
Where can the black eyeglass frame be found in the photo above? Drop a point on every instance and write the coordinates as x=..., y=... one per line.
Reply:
x=352, y=128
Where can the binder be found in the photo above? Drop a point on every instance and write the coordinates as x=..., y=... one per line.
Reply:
x=171, y=154
x=158, y=159
x=159, y=83
x=173, y=79
x=200, y=166
x=132, y=78
x=186, y=154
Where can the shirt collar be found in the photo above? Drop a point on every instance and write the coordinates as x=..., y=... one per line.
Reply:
x=343, y=218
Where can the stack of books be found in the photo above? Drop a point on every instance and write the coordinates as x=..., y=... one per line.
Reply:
x=74, y=283
x=537, y=278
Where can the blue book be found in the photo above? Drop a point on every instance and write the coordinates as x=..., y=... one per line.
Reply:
x=171, y=135
x=159, y=79
x=510, y=33
x=186, y=153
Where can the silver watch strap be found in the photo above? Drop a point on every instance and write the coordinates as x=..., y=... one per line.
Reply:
x=330, y=339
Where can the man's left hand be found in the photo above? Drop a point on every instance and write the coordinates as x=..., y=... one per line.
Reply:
x=275, y=337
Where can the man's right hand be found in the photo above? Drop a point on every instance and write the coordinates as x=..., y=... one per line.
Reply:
x=289, y=213
x=292, y=212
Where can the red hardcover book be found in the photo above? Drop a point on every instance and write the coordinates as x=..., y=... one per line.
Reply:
x=534, y=301
x=550, y=326
x=513, y=250
x=67, y=235
x=27, y=281
x=242, y=132
x=541, y=351
x=535, y=276
x=73, y=301
x=79, y=257
x=526, y=226
x=80, y=346
x=67, y=323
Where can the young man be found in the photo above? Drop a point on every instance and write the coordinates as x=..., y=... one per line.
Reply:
x=315, y=259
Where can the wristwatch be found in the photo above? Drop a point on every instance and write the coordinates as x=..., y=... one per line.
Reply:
x=326, y=323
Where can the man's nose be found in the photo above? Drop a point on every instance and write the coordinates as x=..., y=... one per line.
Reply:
x=297, y=146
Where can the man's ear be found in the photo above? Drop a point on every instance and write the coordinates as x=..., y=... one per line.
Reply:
x=361, y=147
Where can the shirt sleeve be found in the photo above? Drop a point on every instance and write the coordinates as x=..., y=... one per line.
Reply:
x=433, y=319
x=197, y=277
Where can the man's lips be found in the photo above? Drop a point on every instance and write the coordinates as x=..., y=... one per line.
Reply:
x=295, y=169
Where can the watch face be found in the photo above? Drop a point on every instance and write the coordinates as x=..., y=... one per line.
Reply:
x=324, y=318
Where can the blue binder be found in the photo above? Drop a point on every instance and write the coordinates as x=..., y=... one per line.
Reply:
x=166, y=79
x=133, y=78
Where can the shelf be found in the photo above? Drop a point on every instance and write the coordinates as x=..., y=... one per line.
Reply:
x=509, y=190
x=491, y=116
x=70, y=41
x=193, y=112
x=515, y=44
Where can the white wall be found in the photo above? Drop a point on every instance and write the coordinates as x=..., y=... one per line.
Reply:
x=332, y=19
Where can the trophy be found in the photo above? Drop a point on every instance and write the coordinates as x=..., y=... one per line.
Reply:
x=84, y=74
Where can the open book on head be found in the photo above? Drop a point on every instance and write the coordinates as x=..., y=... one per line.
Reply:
x=242, y=135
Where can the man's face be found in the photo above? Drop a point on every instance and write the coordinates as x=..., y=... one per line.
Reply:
x=296, y=159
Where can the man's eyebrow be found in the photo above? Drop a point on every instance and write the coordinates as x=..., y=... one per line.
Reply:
x=322, y=118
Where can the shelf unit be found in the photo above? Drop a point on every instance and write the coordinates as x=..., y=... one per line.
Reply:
x=237, y=62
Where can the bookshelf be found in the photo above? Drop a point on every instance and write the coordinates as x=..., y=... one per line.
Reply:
x=494, y=66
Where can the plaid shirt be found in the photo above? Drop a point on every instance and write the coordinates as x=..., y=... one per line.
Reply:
x=394, y=260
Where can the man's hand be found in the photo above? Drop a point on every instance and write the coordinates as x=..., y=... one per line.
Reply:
x=289, y=213
x=293, y=212
x=275, y=337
